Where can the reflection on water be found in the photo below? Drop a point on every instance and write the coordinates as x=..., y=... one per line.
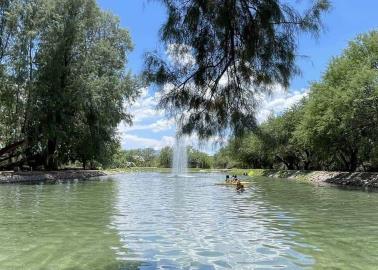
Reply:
x=153, y=221
x=63, y=226
x=337, y=227
x=190, y=223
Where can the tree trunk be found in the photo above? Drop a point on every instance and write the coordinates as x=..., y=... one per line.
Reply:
x=350, y=159
x=51, y=162
x=353, y=161
x=306, y=161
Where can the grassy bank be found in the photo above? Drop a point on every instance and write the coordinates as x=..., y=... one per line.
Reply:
x=297, y=174
x=155, y=169
x=358, y=179
x=239, y=172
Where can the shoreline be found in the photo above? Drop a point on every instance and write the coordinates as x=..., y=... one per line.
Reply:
x=33, y=177
x=346, y=179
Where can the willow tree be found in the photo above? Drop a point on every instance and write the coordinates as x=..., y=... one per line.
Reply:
x=225, y=52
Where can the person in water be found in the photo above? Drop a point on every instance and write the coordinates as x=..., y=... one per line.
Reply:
x=239, y=186
x=227, y=178
x=235, y=179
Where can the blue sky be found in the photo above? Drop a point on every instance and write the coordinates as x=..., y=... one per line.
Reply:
x=143, y=19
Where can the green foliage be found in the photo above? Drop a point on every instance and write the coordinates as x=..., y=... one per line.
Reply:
x=280, y=142
x=340, y=120
x=146, y=157
x=165, y=157
x=64, y=86
x=198, y=159
x=229, y=51
x=149, y=157
x=335, y=128
x=222, y=159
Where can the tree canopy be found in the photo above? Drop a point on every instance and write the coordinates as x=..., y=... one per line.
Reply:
x=340, y=117
x=64, y=87
x=224, y=53
x=162, y=158
x=335, y=128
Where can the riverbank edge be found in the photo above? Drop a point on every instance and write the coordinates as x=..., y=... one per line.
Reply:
x=30, y=177
x=353, y=179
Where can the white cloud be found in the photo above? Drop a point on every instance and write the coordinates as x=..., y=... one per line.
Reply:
x=278, y=101
x=145, y=106
x=209, y=146
x=144, y=110
x=160, y=125
x=179, y=54
x=275, y=102
x=147, y=118
x=132, y=141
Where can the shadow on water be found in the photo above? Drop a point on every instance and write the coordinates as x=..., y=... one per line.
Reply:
x=60, y=226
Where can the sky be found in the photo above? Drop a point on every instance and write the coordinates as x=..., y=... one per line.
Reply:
x=143, y=18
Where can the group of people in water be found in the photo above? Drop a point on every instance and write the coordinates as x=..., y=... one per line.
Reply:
x=234, y=180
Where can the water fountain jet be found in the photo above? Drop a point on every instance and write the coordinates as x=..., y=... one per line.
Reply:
x=180, y=157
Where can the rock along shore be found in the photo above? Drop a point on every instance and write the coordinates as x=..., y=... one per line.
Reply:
x=353, y=179
x=8, y=177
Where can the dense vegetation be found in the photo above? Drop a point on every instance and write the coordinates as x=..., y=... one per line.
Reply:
x=149, y=157
x=63, y=84
x=335, y=128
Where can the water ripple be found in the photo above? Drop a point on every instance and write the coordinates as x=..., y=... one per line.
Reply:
x=189, y=223
x=154, y=221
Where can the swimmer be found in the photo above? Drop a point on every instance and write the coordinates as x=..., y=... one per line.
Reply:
x=239, y=186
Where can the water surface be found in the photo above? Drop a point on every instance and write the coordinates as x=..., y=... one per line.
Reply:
x=153, y=221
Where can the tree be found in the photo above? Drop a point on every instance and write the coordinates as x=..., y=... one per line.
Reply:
x=340, y=117
x=165, y=157
x=64, y=86
x=253, y=151
x=278, y=135
x=147, y=157
x=224, y=53
x=335, y=128
x=222, y=158
x=19, y=26
x=81, y=85
x=198, y=159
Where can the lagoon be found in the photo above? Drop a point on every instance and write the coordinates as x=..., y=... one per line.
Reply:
x=155, y=221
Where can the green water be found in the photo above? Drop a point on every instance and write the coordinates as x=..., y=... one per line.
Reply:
x=154, y=221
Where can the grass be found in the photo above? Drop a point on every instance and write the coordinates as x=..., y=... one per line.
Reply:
x=136, y=169
x=299, y=175
x=151, y=169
